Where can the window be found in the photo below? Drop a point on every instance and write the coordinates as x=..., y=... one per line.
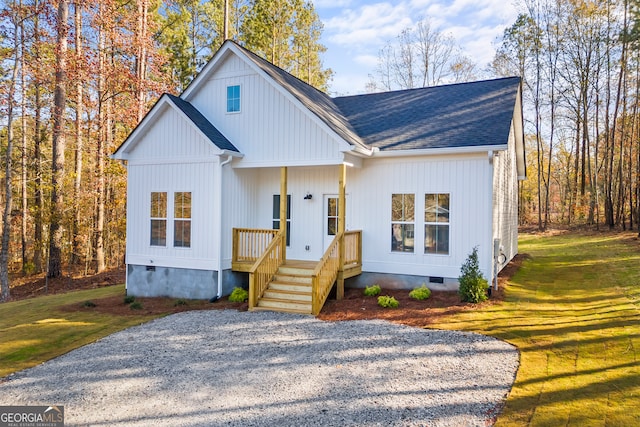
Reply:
x=276, y=215
x=436, y=224
x=402, y=222
x=182, y=220
x=332, y=216
x=233, y=99
x=158, y=219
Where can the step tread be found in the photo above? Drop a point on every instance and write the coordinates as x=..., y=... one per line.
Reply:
x=282, y=310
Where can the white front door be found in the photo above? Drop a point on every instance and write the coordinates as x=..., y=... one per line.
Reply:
x=330, y=219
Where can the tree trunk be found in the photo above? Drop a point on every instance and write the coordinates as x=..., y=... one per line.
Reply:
x=6, y=214
x=58, y=144
x=23, y=154
x=77, y=217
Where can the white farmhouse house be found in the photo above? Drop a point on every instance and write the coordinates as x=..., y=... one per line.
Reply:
x=393, y=188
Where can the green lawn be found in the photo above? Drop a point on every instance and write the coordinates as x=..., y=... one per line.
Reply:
x=573, y=312
x=35, y=330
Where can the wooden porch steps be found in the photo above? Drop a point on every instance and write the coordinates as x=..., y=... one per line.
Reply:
x=290, y=289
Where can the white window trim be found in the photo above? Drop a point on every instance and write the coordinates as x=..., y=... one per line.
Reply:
x=425, y=223
x=226, y=99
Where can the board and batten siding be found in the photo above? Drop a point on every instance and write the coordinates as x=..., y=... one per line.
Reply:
x=505, y=200
x=271, y=129
x=172, y=157
x=466, y=178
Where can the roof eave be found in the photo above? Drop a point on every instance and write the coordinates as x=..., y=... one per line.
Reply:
x=440, y=151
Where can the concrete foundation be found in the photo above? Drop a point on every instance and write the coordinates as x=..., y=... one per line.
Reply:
x=402, y=281
x=156, y=281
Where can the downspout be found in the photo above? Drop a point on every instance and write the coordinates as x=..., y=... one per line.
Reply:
x=219, y=294
x=492, y=255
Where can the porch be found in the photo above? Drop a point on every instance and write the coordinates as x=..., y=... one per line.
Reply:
x=281, y=284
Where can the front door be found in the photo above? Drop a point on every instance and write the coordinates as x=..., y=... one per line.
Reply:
x=330, y=219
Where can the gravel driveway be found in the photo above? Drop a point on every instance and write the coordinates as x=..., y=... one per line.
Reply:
x=210, y=368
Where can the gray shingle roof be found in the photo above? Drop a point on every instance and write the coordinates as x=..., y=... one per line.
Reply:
x=316, y=101
x=205, y=126
x=458, y=115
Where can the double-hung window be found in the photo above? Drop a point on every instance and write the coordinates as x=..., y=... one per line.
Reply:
x=182, y=220
x=402, y=222
x=436, y=224
x=233, y=99
x=158, y=219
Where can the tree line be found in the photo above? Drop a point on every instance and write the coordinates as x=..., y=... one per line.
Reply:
x=580, y=63
x=77, y=76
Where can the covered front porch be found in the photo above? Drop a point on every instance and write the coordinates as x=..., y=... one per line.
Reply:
x=279, y=283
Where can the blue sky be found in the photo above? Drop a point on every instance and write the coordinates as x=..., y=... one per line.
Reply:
x=355, y=30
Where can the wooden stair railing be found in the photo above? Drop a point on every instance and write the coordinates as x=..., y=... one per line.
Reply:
x=325, y=275
x=264, y=268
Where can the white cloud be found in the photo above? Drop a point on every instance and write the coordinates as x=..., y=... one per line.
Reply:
x=370, y=25
x=329, y=4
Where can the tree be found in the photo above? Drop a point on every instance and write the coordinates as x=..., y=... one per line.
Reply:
x=58, y=144
x=419, y=57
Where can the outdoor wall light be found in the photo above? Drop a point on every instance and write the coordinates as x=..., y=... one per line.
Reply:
x=309, y=196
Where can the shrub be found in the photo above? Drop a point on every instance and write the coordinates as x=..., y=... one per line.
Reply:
x=89, y=304
x=179, y=302
x=473, y=286
x=238, y=295
x=372, y=291
x=420, y=293
x=388, y=302
x=136, y=305
x=129, y=299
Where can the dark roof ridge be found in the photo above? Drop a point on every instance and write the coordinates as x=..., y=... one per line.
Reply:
x=443, y=86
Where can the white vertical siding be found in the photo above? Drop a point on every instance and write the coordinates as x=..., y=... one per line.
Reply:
x=505, y=200
x=465, y=178
x=270, y=129
x=369, y=189
x=174, y=137
x=172, y=157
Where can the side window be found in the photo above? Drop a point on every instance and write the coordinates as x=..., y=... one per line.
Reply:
x=276, y=215
x=182, y=220
x=158, y=219
x=233, y=99
x=436, y=224
x=402, y=222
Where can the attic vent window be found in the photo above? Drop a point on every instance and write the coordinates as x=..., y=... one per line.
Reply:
x=233, y=99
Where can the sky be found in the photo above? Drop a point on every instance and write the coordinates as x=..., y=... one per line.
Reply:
x=355, y=31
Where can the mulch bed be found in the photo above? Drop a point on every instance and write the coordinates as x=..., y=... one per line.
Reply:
x=354, y=306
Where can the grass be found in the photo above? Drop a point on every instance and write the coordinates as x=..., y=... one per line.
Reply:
x=573, y=312
x=35, y=330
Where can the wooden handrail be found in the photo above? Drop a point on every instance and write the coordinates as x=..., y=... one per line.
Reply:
x=325, y=274
x=250, y=243
x=265, y=268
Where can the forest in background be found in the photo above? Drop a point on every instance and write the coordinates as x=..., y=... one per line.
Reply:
x=77, y=76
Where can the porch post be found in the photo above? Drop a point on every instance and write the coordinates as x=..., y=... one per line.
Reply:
x=341, y=228
x=283, y=209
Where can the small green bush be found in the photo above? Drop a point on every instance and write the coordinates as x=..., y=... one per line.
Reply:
x=420, y=293
x=388, y=302
x=473, y=286
x=238, y=295
x=179, y=302
x=136, y=305
x=89, y=304
x=129, y=299
x=372, y=291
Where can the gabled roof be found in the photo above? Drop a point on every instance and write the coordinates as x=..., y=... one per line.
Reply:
x=451, y=116
x=194, y=117
x=315, y=100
